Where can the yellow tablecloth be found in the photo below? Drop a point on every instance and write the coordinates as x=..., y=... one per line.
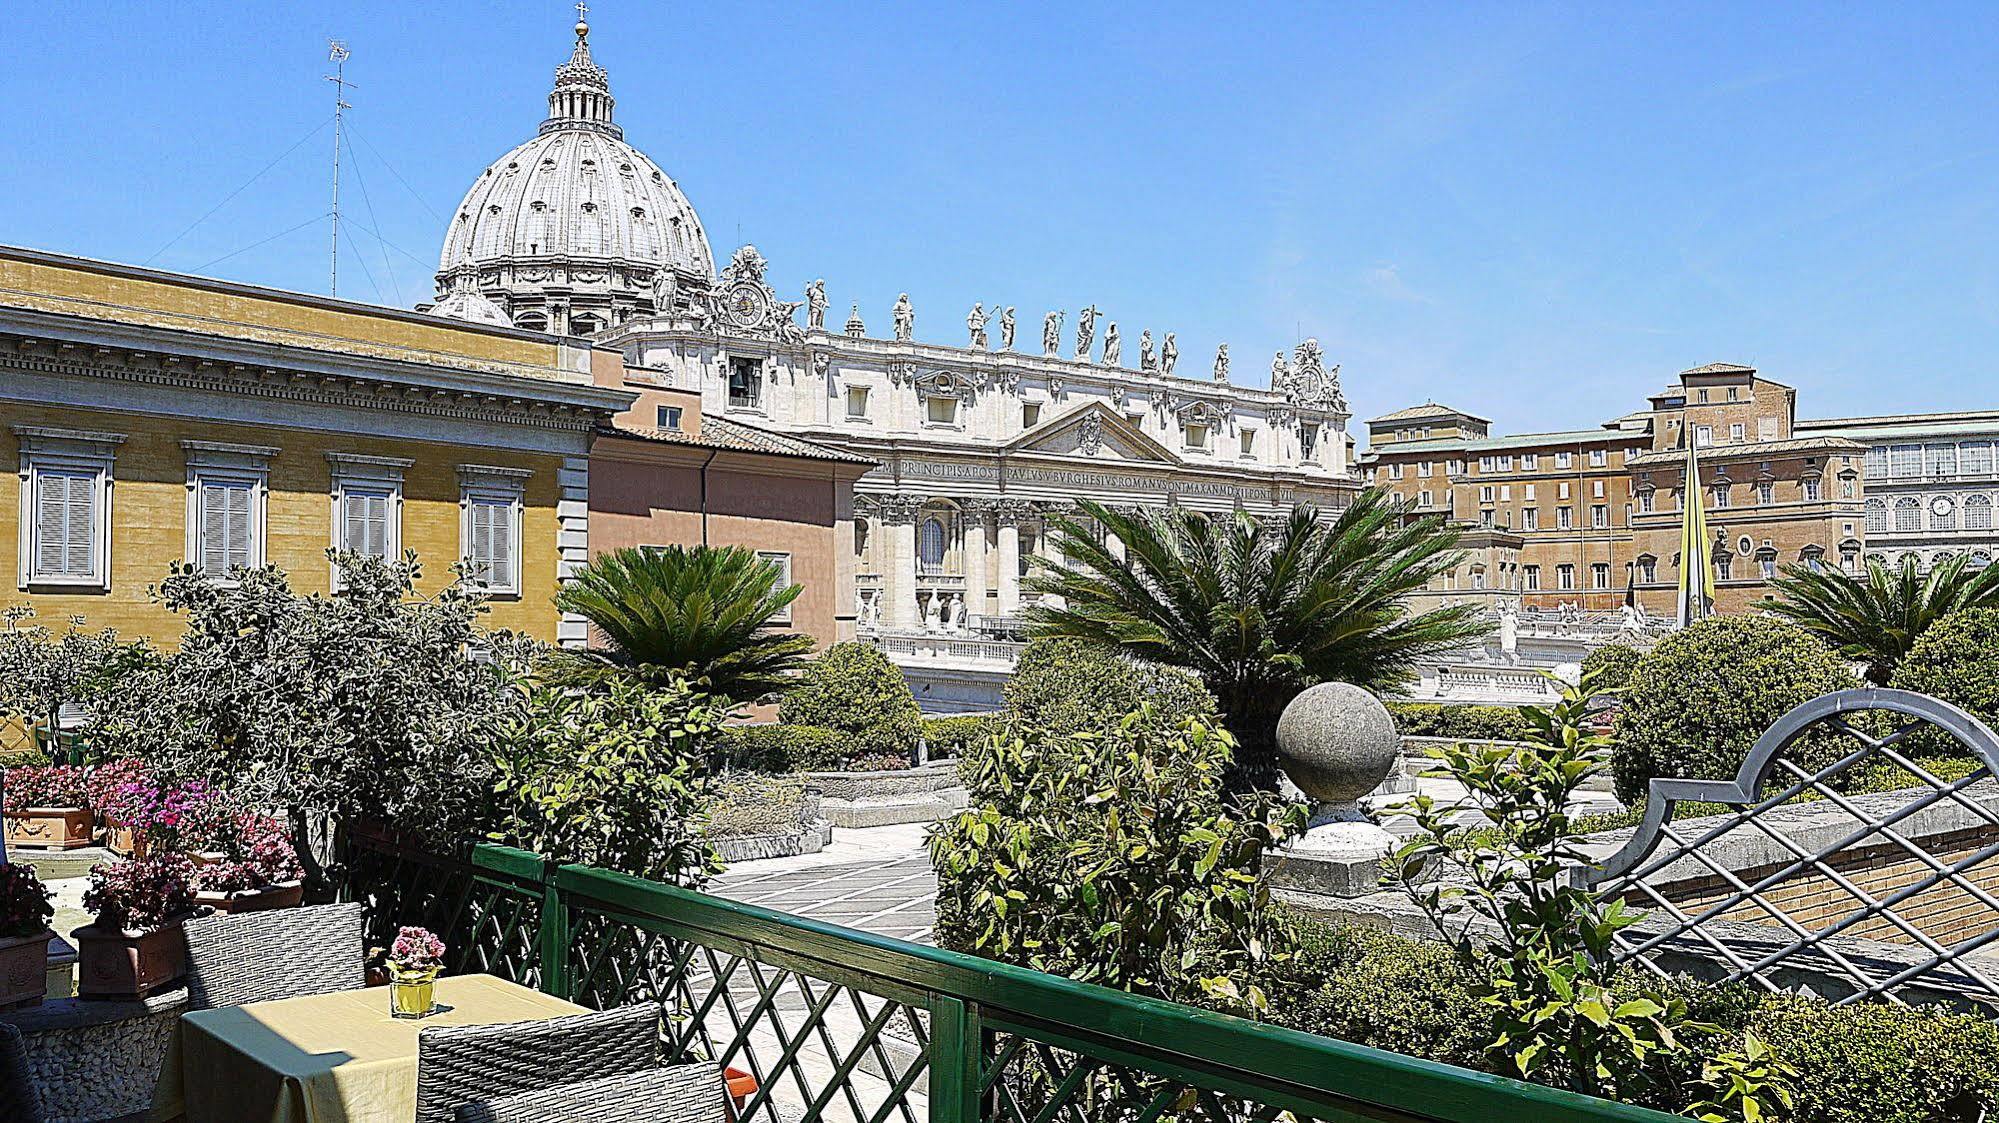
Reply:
x=331, y=1058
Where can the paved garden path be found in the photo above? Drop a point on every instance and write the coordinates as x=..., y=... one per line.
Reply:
x=877, y=879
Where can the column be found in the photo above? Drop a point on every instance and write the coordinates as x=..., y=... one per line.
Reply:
x=898, y=518
x=1009, y=517
x=977, y=515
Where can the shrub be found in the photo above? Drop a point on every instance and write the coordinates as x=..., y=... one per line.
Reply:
x=52, y=785
x=953, y=735
x=852, y=687
x=1378, y=989
x=747, y=804
x=780, y=749
x=141, y=895
x=1612, y=666
x=1465, y=723
x=1117, y=860
x=611, y=778
x=1064, y=686
x=1703, y=695
x=1876, y=1063
x=24, y=902
x=40, y=671
x=106, y=783
x=1956, y=660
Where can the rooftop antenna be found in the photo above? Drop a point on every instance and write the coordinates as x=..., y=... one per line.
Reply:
x=336, y=52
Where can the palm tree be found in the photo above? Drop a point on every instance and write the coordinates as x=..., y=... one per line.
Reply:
x=1259, y=611
x=701, y=613
x=1875, y=618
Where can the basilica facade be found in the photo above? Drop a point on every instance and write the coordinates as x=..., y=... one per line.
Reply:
x=978, y=444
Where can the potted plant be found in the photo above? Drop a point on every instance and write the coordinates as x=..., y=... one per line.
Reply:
x=135, y=946
x=48, y=808
x=192, y=819
x=24, y=936
x=413, y=963
x=261, y=872
x=111, y=787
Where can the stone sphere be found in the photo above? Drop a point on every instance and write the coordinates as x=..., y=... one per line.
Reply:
x=1338, y=742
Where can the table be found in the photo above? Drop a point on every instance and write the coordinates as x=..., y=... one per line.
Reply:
x=331, y=1058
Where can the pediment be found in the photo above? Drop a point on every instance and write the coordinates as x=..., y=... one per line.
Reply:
x=1093, y=431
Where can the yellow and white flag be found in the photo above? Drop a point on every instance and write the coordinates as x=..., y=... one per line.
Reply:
x=1696, y=567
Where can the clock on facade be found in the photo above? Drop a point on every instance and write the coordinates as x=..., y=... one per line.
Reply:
x=746, y=304
x=1939, y=506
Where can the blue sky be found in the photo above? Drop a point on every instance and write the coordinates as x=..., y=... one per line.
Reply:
x=1535, y=212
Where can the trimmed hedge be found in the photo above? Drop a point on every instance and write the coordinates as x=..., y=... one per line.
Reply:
x=1064, y=686
x=1865, y=1063
x=1464, y=723
x=1701, y=697
x=951, y=736
x=1613, y=665
x=747, y=805
x=1955, y=659
x=782, y=748
x=853, y=688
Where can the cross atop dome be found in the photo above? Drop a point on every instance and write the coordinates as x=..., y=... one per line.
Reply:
x=582, y=93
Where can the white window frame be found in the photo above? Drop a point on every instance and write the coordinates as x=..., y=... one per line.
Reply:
x=67, y=452
x=384, y=474
x=493, y=484
x=858, y=396
x=1565, y=460
x=214, y=462
x=785, y=580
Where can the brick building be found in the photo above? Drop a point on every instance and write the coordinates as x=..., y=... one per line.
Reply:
x=1590, y=517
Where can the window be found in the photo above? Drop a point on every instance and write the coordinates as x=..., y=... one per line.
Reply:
x=1645, y=500
x=1596, y=489
x=1940, y=460
x=1394, y=471
x=1766, y=492
x=1598, y=457
x=1527, y=492
x=857, y=401
x=1811, y=490
x=1423, y=469
x=1766, y=428
x=1703, y=436
x=1905, y=460
x=1485, y=463
x=941, y=411
x=1599, y=516
x=1248, y=437
x=1767, y=564
x=1565, y=577
x=783, y=563
x=670, y=416
x=1648, y=569
x=1478, y=578
x=1562, y=490
x=1530, y=518
x=227, y=486
x=1734, y=393
x=1506, y=463
x=490, y=499
x=1422, y=499
x=66, y=483
x=1505, y=492
x=1877, y=516
x=1530, y=578
x=1599, y=575
x=1724, y=567
x=1308, y=441
x=930, y=546
x=1736, y=433
x=1908, y=513
x=367, y=505
x=745, y=383
x=1974, y=458
x=1877, y=461
x=1485, y=494
x=1565, y=518
x=1720, y=493
x=1565, y=460
x=1701, y=394
x=1197, y=439
x=1030, y=414
x=1456, y=468
x=1978, y=512
x=1530, y=462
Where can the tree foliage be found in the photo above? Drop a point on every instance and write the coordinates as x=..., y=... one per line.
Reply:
x=1957, y=660
x=854, y=689
x=1258, y=610
x=1703, y=695
x=1876, y=617
x=41, y=670
x=700, y=613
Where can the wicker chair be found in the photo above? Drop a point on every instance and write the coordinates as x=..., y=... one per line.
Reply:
x=683, y=1094
x=473, y=1064
x=237, y=958
x=19, y=1102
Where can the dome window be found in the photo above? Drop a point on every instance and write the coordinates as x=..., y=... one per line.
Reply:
x=548, y=162
x=537, y=206
x=512, y=167
x=494, y=209
x=625, y=168
x=639, y=213
x=589, y=208
x=657, y=178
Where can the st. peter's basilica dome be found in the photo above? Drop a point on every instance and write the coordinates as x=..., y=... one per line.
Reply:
x=575, y=230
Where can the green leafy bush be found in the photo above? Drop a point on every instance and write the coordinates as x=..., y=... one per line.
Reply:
x=1063, y=686
x=1466, y=723
x=780, y=749
x=1118, y=860
x=1957, y=660
x=1701, y=697
x=1374, y=988
x=1612, y=665
x=1876, y=1063
x=611, y=778
x=853, y=688
x=746, y=804
x=951, y=736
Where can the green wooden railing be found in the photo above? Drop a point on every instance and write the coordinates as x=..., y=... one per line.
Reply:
x=838, y=1024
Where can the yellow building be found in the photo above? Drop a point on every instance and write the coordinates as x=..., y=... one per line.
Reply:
x=155, y=416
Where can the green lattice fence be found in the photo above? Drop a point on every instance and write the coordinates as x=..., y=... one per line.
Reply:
x=842, y=1025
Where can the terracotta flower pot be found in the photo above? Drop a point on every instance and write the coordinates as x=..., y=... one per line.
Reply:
x=124, y=840
x=51, y=828
x=115, y=964
x=24, y=969
x=284, y=895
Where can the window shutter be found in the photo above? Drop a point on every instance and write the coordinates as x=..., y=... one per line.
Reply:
x=365, y=523
x=490, y=548
x=215, y=528
x=501, y=517
x=65, y=524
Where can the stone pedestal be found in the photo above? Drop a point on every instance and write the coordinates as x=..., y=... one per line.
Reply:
x=1337, y=743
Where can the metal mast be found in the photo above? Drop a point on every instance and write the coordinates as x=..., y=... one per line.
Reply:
x=336, y=51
